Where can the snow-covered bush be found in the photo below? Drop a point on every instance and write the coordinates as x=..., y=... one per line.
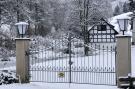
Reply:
x=7, y=48
x=40, y=42
x=60, y=44
x=48, y=43
x=8, y=77
x=4, y=54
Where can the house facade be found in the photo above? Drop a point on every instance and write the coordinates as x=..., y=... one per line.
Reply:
x=102, y=32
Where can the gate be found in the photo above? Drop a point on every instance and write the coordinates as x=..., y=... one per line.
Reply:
x=62, y=60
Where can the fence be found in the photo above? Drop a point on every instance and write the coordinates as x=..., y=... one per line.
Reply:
x=63, y=60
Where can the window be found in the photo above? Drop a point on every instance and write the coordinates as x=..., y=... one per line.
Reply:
x=101, y=28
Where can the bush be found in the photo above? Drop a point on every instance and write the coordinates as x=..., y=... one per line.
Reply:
x=66, y=51
x=7, y=77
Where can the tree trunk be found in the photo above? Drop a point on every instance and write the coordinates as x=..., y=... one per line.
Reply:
x=85, y=27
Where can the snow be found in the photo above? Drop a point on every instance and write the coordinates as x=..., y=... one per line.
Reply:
x=64, y=85
x=8, y=65
x=24, y=38
x=114, y=22
x=98, y=78
x=22, y=23
x=117, y=2
x=35, y=85
x=55, y=86
x=5, y=27
x=128, y=33
x=85, y=62
x=133, y=60
x=61, y=63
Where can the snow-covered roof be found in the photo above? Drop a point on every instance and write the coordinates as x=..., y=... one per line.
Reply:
x=114, y=22
x=105, y=22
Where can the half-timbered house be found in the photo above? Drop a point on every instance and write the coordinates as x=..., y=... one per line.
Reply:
x=102, y=32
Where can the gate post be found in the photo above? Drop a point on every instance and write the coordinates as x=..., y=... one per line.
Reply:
x=123, y=57
x=133, y=32
x=22, y=60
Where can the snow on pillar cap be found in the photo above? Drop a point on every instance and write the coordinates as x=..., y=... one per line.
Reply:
x=21, y=23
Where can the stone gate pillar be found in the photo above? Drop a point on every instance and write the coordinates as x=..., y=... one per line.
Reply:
x=133, y=32
x=22, y=60
x=123, y=57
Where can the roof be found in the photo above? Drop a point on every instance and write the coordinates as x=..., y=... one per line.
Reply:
x=113, y=20
x=110, y=25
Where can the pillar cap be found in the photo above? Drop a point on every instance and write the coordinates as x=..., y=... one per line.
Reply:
x=123, y=36
x=22, y=38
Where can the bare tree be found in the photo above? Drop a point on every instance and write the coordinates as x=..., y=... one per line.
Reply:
x=85, y=13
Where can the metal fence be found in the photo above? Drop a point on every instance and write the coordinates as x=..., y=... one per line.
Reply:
x=60, y=60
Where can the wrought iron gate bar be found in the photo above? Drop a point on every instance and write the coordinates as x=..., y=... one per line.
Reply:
x=75, y=69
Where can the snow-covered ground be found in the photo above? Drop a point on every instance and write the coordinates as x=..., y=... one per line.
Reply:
x=36, y=85
x=85, y=62
x=55, y=86
x=63, y=85
x=65, y=62
x=9, y=63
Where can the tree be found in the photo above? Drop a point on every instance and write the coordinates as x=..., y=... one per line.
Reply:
x=84, y=12
x=43, y=15
x=125, y=7
x=116, y=10
x=132, y=5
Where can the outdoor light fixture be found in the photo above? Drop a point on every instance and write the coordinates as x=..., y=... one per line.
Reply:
x=21, y=26
x=123, y=24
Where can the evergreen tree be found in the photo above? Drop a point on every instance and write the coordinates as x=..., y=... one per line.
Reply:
x=116, y=10
x=132, y=5
x=125, y=7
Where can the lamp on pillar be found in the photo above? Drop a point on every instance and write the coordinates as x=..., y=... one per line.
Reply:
x=123, y=24
x=22, y=47
x=21, y=26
